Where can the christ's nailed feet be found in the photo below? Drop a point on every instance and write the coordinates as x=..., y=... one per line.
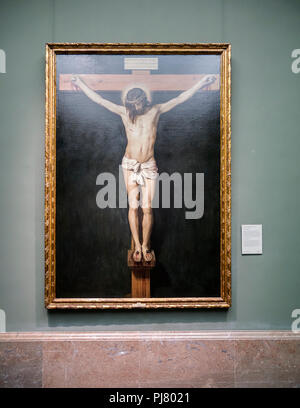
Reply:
x=147, y=254
x=137, y=255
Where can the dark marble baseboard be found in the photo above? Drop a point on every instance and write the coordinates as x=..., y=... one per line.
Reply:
x=150, y=359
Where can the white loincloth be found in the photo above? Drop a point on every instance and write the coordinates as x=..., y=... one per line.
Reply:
x=140, y=171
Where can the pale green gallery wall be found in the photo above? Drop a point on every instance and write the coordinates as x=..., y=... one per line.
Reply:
x=265, y=150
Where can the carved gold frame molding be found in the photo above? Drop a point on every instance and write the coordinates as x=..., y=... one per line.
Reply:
x=224, y=301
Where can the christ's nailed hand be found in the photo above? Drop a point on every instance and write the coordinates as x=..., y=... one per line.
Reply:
x=75, y=80
x=210, y=79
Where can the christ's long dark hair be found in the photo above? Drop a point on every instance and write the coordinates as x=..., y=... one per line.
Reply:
x=134, y=97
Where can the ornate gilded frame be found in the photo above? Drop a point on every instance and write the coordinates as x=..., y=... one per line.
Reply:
x=224, y=301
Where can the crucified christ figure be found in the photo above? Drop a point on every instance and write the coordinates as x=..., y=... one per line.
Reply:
x=140, y=120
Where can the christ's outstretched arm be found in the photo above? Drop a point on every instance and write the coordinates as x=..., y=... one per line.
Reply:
x=95, y=97
x=184, y=96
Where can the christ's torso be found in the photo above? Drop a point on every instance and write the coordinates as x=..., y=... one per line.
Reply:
x=141, y=135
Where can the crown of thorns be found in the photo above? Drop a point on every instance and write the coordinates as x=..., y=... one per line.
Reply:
x=137, y=99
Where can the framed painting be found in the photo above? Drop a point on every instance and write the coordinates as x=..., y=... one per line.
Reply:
x=137, y=176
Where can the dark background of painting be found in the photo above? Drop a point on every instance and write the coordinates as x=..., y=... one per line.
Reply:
x=92, y=244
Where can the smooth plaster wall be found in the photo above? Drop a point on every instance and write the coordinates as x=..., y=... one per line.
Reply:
x=265, y=150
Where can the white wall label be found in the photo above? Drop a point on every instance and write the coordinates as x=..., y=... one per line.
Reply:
x=140, y=63
x=2, y=62
x=252, y=239
x=2, y=321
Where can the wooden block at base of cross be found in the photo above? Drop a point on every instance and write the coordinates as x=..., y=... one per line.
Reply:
x=140, y=275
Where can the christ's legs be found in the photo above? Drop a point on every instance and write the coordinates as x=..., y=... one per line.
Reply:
x=148, y=191
x=133, y=200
